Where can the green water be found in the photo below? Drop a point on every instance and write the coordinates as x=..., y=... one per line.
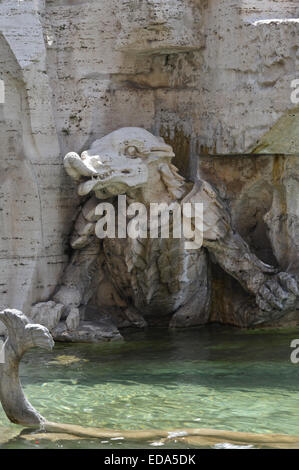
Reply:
x=207, y=377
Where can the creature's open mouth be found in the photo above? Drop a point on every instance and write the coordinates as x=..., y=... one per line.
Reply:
x=110, y=181
x=101, y=180
x=109, y=174
x=86, y=175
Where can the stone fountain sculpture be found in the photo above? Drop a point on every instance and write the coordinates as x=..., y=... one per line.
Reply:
x=152, y=280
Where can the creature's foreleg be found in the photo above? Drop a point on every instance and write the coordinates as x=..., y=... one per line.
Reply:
x=76, y=287
x=234, y=256
x=276, y=294
x=80, y=277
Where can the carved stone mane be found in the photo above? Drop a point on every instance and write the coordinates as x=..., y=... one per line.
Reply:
x=174, y=182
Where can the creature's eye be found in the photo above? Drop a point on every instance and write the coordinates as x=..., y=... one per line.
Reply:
x=131, y=151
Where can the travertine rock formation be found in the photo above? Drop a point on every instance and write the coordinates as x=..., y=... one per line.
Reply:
x=211, y=77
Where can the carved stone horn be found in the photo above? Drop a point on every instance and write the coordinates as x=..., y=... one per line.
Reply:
x=22, y=335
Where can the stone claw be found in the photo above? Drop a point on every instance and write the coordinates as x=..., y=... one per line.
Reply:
x=289, y=283
x=281, y=293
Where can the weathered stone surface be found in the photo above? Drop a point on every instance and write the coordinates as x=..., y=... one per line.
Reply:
x=73, y=319
x=34, y=195
x=211, y=77
x=87, y=332
x=283, y=137
x=47, y=314
x=262, y=193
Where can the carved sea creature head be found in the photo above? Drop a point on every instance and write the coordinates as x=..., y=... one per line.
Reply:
x=117, y=162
